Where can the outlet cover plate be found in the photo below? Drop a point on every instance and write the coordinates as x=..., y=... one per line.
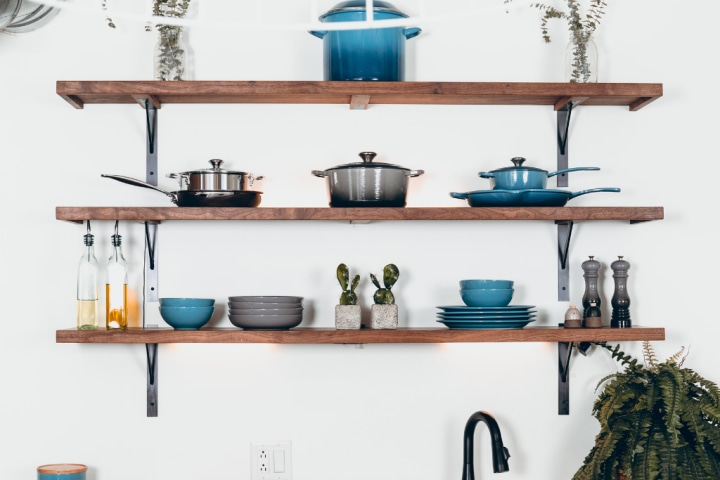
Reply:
x=271, y=460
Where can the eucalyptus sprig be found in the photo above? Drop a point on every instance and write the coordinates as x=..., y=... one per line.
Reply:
x=580, y=24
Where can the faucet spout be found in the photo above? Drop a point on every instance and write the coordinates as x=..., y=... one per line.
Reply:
x=500, y=454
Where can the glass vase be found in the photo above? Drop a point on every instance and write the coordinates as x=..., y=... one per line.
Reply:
x=171, y=54
x=581, y=59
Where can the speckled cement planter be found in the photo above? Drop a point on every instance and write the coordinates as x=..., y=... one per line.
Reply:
x=347, y=317
x=384, y=317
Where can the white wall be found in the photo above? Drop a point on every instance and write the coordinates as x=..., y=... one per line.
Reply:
x=375, y=412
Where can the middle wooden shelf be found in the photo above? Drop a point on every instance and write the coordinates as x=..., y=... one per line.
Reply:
x=557, y=214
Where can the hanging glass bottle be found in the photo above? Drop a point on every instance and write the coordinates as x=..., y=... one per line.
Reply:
x=171, y=54
x=581, y=58
x=116, y=286
x=87, y=285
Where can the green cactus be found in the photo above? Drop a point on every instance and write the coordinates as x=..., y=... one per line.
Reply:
x=348, y=296
x=383, y=296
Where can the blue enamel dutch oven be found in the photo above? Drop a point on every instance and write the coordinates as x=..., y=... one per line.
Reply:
x=522, y=177
x=368, y=54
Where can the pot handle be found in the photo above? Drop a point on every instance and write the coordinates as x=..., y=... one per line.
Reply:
x=318, y=33
x=411, y=32
x=320, y=173
x=486, y=175
x=574, y=169
x=415, y=173
x=593, y=190
x=139, y=183
x=461, y=196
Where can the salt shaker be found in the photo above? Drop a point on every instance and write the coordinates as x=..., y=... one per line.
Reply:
x=573, y=318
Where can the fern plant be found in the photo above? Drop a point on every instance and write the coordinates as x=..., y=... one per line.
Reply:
x=658, y=421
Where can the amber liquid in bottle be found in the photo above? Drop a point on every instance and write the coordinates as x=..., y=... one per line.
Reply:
x=116, y=307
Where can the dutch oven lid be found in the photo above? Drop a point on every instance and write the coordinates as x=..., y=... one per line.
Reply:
x=367, y=162
x=216, y=163
x=518, y=165
x=355, y=5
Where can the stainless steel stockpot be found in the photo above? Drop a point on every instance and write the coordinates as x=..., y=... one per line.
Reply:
x=367, y=183
x=215, y=178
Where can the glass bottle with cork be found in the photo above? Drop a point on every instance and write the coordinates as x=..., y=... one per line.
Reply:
x=116, y=286
x=87, y=285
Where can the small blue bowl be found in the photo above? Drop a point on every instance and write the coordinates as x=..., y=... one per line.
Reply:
x=487, y=297
x=186, y=318
x=187, y=302
x=480, y=283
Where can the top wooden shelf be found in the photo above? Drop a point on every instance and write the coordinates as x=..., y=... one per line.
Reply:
x=358, y=94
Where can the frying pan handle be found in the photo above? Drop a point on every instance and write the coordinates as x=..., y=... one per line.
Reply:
x=592, y=190
x=574, y=169
x=139, y=183
x=461, y=196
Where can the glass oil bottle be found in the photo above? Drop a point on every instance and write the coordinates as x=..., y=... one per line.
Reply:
x=116, y=286
x=87, y=285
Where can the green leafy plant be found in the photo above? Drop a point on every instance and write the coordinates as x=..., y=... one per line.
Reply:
x=582, y=22
x=383, y=296
x=657, y=422
x=348, y=296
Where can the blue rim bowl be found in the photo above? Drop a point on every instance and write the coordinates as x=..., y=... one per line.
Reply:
x=486, y=283
x=488, y=297
x=187, y=302
x=186, y=318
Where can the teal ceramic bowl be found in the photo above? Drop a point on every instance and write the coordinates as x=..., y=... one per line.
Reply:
x=487, y=297
x=187, y=302
x=482, y=283
x=186, y=318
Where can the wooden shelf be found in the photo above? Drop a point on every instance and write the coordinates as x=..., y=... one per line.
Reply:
x=359, y=94
x=362, y=336
x=558, y=214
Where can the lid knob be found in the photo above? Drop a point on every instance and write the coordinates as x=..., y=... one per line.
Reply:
x=367, y=157
x=518, y=161
x=216, y=162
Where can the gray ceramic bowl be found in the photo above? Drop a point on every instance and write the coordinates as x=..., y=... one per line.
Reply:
x=266, y=311
x=265, y=322
x=263, y=299
x=237, y=304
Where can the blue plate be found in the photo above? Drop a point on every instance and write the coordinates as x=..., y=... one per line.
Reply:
x=470, y=318
x=478, y=315
x=466, y=309
x=484, y=325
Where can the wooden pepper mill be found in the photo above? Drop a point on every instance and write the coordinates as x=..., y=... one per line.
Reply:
x=620, y=299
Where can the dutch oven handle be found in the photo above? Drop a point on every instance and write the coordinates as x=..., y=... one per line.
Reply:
x=411, y=32
x=320, y=173
x=486, y=175
x=415, y=173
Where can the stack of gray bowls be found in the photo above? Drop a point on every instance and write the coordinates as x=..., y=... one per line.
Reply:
x=265, y=312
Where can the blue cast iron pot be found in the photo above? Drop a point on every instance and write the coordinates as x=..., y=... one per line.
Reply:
x=521, y=177
x=371, y=54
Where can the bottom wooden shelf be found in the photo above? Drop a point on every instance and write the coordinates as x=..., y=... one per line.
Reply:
x=362, y=336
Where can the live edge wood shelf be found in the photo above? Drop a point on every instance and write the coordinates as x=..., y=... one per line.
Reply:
x=562, y=97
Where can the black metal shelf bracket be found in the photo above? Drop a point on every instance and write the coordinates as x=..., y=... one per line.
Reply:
x=151, y=154
x=564, y=354
x=152, y=379
x=564, y=236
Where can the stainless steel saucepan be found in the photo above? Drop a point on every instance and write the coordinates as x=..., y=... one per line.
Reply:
x=200, y=198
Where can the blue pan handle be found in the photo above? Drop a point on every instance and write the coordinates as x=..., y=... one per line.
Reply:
x=592, y=190
x=461, y=196
x=574, y=169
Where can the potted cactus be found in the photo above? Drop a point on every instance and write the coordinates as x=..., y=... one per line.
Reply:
x=347, y=312
x=384, y=313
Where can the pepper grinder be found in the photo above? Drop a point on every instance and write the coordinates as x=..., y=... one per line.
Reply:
x=591, y=269
x=620, y=299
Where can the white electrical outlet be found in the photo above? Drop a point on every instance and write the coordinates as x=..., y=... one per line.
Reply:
x=271, y=461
